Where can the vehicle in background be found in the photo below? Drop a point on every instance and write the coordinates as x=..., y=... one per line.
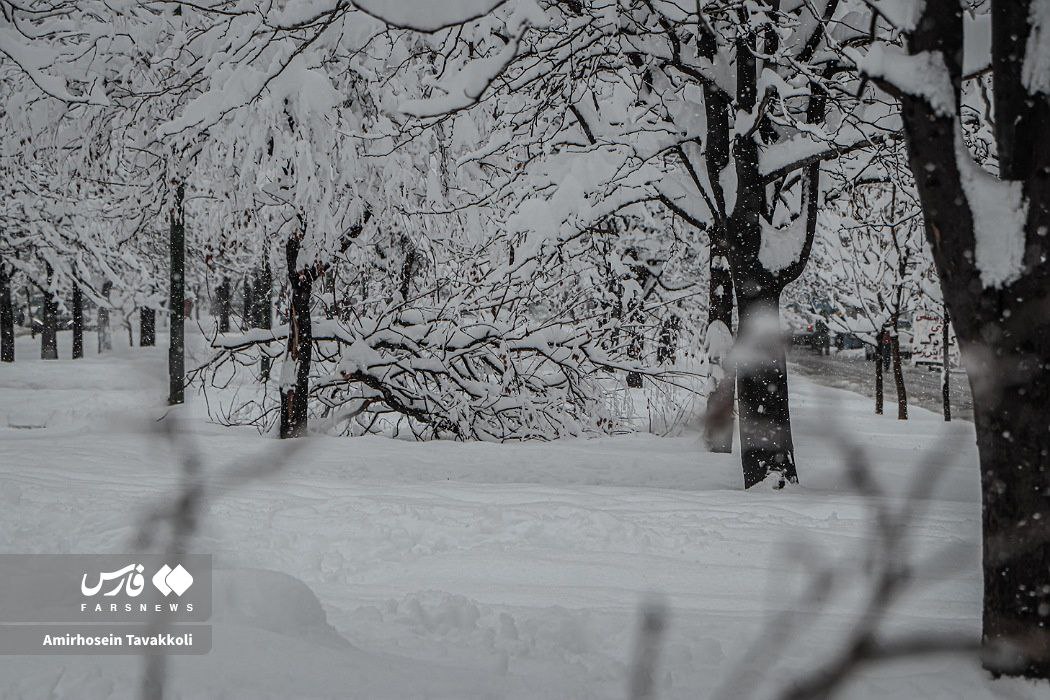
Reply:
x=848, y=341
x=815, y=336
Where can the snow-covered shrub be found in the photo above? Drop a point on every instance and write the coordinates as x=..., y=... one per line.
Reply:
x=482, y=342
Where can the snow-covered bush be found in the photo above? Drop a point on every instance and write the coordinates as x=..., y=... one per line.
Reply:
x=483, y=341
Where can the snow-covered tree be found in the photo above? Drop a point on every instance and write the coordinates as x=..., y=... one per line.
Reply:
x=720, y=112
x=986, y=225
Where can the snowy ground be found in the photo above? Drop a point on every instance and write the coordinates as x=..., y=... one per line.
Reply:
x=475, y=570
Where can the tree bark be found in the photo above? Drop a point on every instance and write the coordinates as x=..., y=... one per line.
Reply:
x=765, y=418
x=262, y=294
x=49, y=330
x=1013, y=441
x=176, y=300
x=898, y=379
x=409, y=263
x=49, y=323
x=1003, y=329
x=29, y=312
x=634, y=352
x=264, y=301
x=295, y=373
x=946, y=368
x=719, y=413
x=105, y=342
x=766, y=445
x=635, y=317
x=7, y=317
x=78, y=323
x=331, y=309
x=761, y=366
x=248, y=315
x=264, y=309
x=222, y=294
x=147, y=327
x=667, y=345
x=878, y=375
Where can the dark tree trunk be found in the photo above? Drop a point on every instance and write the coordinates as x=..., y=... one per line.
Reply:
x=248, y=314
x=176, y=300
x=7, y=317
x=49, y=330
x=946, y=368
x=898, y=379
x=409, y=263
x=331, y=309
x=105, y=342
x=667, y=348
x=1003, y=329
x=78, y=323
x=762, y=385
x=1011, y=417
x=49, y=323
x=262, y=294
x=718, y=414
x=635, y=317
x=29, y=312
x=766, y=445
x=147, y=327
x=878, y=375
x=222, y=294
x=264, y=309
x=895, y=339
x=295, y=375
x=634, y=352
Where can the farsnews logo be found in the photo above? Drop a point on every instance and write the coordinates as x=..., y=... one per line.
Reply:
x=129, y=578
x=168, y=580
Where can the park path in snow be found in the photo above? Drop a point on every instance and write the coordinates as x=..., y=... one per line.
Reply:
x=372, y=567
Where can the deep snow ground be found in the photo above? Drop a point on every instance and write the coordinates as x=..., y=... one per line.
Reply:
x=475, y=570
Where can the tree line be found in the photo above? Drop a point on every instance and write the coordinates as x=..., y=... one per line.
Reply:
x=469, y=217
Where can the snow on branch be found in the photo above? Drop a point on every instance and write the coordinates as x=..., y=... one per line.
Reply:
x=901, y=14
x=923, y=74
x=529, y=349
x=463, y=86
x=1000, y=212
x=428, y=15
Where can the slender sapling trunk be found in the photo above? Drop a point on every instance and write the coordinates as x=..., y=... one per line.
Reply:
x=7, y=317
x=147, y=327
x=878, y=375
x=78, y=323
x=105, y=343
x=49, y=323
x=898, y=379
x=946, y=369
x=295, y=372
x=222, y=294
x=176, y=299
